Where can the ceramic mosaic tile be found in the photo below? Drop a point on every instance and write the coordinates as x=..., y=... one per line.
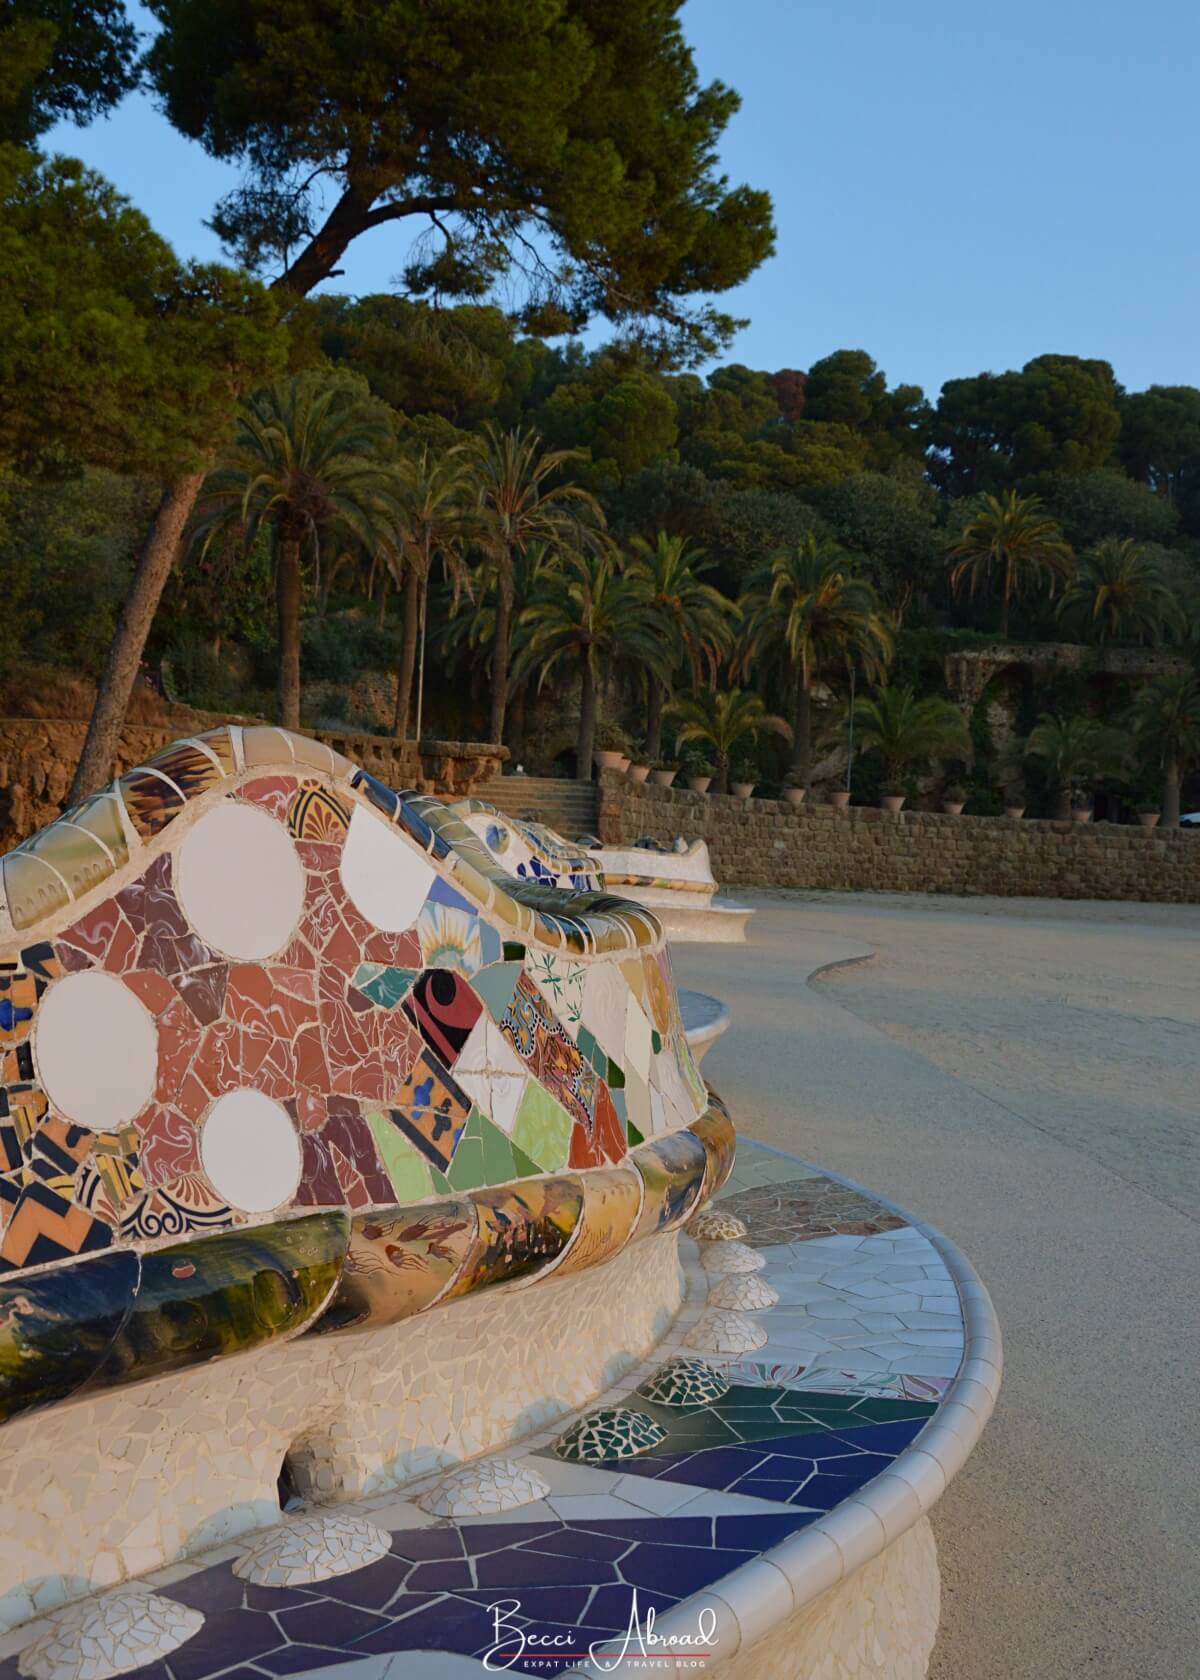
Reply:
x=684, y=1382
x=498, y=1484
x=715, y=1225
x=608, y=1433
x=123, y=1630
x=318, y=999
x=310, y=1549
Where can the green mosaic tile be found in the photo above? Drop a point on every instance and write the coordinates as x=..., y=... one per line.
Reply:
x=385, y=986
x=543, y=1128
x=635, y=1137
x=497, y=1153
x=747, y=1413
x=615, y=1076
x=684, y=1382
x=523, y=1165
x=496, y=985
x=608, y=1432
x=468, y=1169
x=514, y=951
x=655, y=1041
x=409, y=1171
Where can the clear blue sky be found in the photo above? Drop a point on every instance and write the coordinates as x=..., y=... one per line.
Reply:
x=958, y=186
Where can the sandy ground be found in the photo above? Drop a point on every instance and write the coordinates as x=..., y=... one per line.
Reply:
x=1026, y=1075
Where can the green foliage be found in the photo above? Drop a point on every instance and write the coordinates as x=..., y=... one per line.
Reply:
x=66, y=556
x=1059, y=415
x=111, y=352
x=1119, y=594
x=484, y=120
x=723, y=721
x=905, y=730
x=1108, y=504
x=1074, y=750
x=848, y=389
x=890, y=520
x=60, y=59
x=1010, y=535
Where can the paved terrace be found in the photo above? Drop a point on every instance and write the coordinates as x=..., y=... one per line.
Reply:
x=1025, y=1075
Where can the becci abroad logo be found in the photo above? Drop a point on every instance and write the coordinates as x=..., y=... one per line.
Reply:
x=638, y=1647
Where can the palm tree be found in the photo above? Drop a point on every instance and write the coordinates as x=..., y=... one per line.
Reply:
x=1013, y=535
x=1119, y=594
x=808, y=609
x=305, y=461
x=904, y=730
x=697, y=620
x=588, y=609
x=1166, y=722
x=721, y=721
x=517, y=504
x=1074, y=751
x=432, y=490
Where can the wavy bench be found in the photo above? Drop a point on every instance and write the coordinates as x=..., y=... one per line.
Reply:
x=339, y=1160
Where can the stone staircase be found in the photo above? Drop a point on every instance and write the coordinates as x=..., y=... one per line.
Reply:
x=570, y=808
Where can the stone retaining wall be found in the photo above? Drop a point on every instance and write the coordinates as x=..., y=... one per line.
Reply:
x=765, y=843
x=38, y=758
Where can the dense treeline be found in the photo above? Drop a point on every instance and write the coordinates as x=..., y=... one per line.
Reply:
x=424, y=512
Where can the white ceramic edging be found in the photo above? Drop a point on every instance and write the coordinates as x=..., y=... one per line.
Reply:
x=747, y=1603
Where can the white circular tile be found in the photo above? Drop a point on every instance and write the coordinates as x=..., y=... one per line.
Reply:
x=97, y=1050
x=385, y=877
x=250, y=1151
x=240, y=881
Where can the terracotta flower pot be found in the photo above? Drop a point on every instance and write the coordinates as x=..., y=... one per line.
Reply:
x=840, y=799
x=608, y=760
x=1149, y=819
x=742, y=790
x=623, y=766
x=1016, y=812
x=662, y=778
x=953, y=807
x=638, y=772
x=893, y=803
x=795, y=796
x=1081, y=816
x=699, y=784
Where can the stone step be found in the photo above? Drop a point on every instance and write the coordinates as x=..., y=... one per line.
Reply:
x=569, y=807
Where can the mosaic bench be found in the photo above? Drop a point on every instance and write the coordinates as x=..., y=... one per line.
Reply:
x=336, y=1159
x=678, y=886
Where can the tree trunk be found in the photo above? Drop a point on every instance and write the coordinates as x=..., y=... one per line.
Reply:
x=587, y=720
x=721, y=779
x=654, y=718
x=1170, y=810
x=516, y=721
x=802, y=739
x=125, y=655
x=408, y=654
x=500, y=654
x=1004, y=606
x=287, y=600
x=1062, y=805
x=383, y=595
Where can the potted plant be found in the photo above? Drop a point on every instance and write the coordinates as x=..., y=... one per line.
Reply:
x=742, y=778
x=609, y=751
x=1148, y=813
x=638, y=768
x=794, y=788
x=840, y=798
x=892, y=796
x=953, y=799
x=1081, y=806
x=698, y=773
x=664, y=772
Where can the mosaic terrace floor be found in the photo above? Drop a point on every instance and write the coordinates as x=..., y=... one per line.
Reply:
x=865, y=1339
